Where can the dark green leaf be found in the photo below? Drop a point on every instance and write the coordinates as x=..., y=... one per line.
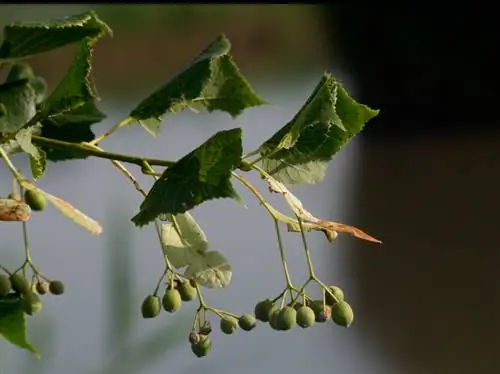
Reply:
x=13, y=324
x=73, y=126
x=76, y=88
x=20, y=71
x=26, y=39
x=212, y=82
x=19, y=100
x=201, y=175
x=300, y=151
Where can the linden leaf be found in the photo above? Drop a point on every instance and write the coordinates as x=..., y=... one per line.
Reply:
x=305, y=216
x=300, y=151
x=38, y=165
x=210, y=269
x=201, y=175
x=76, y=88
x=73, y=127
x=13, y=324
x=212, y=82
x=67, y=210
x=26, y=39
x=19, y=101
x=37, y=157
x=21, y=71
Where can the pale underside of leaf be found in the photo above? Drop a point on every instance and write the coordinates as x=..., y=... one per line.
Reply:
x=297, y=207
x=68, y=210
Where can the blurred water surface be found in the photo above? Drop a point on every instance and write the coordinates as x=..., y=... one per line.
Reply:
x=76, y=322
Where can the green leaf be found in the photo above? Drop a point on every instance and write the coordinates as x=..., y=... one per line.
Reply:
x=76, y=88
x=201, y=175
x=300, y=151
x=20, y=71
x=74, y=127
x=183, y=239
x=211, y=270
x=26, y=39
x=13, y=324
x=212, y=82
x=38, y=165
x=19, y=100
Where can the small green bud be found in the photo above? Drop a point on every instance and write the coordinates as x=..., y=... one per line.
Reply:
x=247, y=322
x=151, y=306
x=35, y=200
x=5, y=285
x=202, y=347
x=172, y=300
x=305, y=317
x=186, y=291
x=287, y=318
x=42, y=288
x=20, y=284
x=228, y=325
x=262, y=309
x=337, y=292
x=342, y=314
x=31, y=303
x=273, y=318
x=56, y=287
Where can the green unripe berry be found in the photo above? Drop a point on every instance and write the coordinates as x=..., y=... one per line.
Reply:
x=305, y=317
x=342, y=314
x=20, y=284
x=172, y=300
x=202, y=347
x=322, y=312
x=337, y=292
x=228, y=325
x=42, y=288
x=56, y=287
x=31, y=303
x=151, y=306
x=35, y=200
x=287, y=318
x=262, y=309
x=273, y=318
x=186, y=291
x=5, y=285
x=247, y=322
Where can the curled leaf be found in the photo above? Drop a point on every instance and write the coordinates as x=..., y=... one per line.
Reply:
x=14, y=211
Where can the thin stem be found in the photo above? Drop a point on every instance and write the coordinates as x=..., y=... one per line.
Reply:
x=282, y=255
x=91, y=150
x=200, y=297
x=157, y=288
x=306, y=250
x=5, y=269
x=111, y=131
x=10, y=165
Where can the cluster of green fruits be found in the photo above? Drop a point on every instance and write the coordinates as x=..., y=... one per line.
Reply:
x=307, y=313
x=175, y=293
x=17, y=287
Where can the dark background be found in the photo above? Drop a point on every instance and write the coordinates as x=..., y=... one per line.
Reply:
x=429, y=181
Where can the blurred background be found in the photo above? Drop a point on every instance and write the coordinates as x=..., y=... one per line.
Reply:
x=423, y=177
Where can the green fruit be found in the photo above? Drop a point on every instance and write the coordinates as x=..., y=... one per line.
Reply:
x=228, y=325
x=172, y=300
x=262, y=309
x=151, y=306
x=342, y=314
x=56, y=287
x=202, y=347
x=337, y=292
x=20, y=284
x=186, y=291
x=35, y=200
x=287, y=318
x=322, y=312
x=31, y=303
x=5, y=285
x=42, y=288
x=247, y=322
x=305, y=317
x=273, y=318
